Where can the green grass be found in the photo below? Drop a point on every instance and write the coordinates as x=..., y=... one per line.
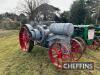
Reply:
x=15, y=62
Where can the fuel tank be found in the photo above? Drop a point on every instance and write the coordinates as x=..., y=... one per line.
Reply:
x=62, y=28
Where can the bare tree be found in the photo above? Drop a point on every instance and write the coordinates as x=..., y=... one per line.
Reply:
x=28, y=7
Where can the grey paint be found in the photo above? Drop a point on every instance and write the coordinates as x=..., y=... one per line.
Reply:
x=62, y=28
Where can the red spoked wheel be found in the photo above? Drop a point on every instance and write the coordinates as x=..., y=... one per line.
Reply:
x=91, y=47
x=58, y=53
x=96, y=43
x=76, y=50
x=82, y=42
x=26, y=43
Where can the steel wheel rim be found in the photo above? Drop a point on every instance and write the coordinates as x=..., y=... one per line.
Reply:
x=59, y=56
x=96, y=44
x=24, y=39
x=82, y=42
x=76, y=50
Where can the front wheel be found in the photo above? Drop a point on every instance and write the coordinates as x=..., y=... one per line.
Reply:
x=96, y=43
x=59, y=53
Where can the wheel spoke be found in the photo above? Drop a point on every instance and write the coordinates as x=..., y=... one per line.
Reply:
x=76, y=50
x=58, y=57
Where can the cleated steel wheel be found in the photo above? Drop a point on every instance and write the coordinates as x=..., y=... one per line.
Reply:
x=82, y=42
x=59, y=53
x=26, y=43
x=96, y=43
x=76, y=50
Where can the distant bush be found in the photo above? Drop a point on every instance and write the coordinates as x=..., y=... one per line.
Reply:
x=8, y=24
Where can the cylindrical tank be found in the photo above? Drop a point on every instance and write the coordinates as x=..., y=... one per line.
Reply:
x=62, y=28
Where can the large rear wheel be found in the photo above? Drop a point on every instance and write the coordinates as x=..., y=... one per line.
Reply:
x=82, y=42
x=26, y=43
x=76, y=49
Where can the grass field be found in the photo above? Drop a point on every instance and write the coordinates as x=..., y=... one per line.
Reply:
x=15, y=62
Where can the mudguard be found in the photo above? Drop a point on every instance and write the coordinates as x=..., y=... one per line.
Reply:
x=30, y=29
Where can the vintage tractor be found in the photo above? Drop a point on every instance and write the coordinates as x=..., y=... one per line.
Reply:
x=97, y=35
x=57, y=38
x=87, y=35
x=97, y=30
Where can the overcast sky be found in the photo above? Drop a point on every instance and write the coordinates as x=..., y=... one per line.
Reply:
x=10, y=5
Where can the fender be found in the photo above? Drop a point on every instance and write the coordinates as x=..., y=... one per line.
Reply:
x=33, y=32
x=30, y=29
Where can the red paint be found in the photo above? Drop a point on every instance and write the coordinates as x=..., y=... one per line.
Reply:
x=56, y=54
x=24, y=39
x=76, y=50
